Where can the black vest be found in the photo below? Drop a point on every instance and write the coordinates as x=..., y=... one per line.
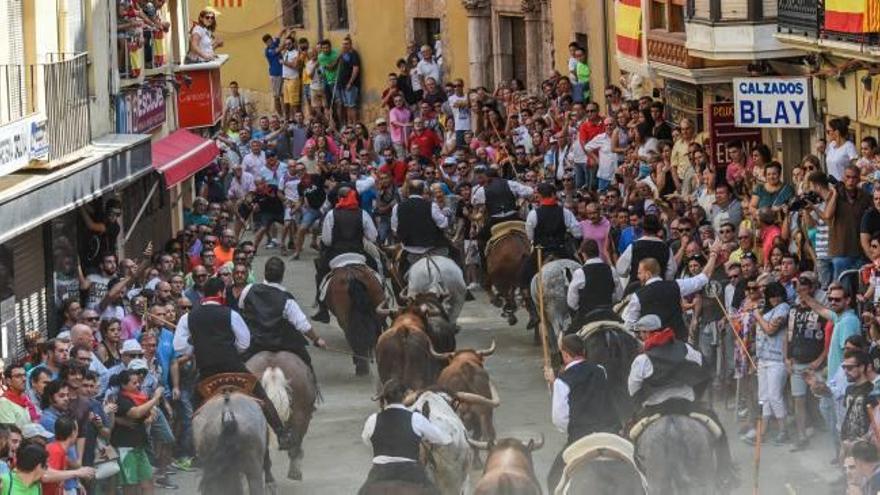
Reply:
x=263, y=311
x=394, y=436
x=648, y=248
x=210, y=327
x=598, y=289
x=671, y=367
x=550, y=229
x=663, y=298
x=589, y=409
x=499, y=198
x=415, y=225
x=348, y=232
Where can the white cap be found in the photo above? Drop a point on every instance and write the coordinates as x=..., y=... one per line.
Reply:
x=132, y=346
x=32, y=430
x=138, y=364
x=649, y=323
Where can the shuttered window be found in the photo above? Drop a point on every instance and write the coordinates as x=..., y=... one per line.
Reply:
x=30, y=288
x=13, y=100
x=75, y=27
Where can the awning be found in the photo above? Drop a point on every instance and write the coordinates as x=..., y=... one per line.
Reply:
x=181, y=154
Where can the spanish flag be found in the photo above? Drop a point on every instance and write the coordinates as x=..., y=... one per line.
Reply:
x=852, y=16
x=628, y=17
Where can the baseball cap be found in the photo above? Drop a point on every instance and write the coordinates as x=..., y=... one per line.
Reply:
x=32, y=430
x=380, y=121
x=649, y=323
x=132, y=346
x=138, y=365
x=809, y=277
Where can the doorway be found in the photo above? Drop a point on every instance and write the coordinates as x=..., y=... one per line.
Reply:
x=512, y=49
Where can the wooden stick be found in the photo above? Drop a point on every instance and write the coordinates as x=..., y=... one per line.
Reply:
x=757, y=473
x=541, y=323
x=739, y=339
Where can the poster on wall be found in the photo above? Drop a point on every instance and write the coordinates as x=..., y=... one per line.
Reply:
x=772, y=102
x=140, y=110
x=22, y=141
x=868, y=98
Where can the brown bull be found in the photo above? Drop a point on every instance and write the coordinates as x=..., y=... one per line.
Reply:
x=403, y=351
x=509, y=469
x=465, y=377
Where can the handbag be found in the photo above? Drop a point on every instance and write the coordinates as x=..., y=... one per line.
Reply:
x=106, y=460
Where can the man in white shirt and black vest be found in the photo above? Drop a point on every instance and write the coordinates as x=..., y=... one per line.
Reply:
x=593, y=290
x=498, y=196
x=418, y=224
x=395, y=434
x=343, y=230
x=217, y=336
x=581, y=400
x=663, y=297
x=650, y=245
x=548, y=227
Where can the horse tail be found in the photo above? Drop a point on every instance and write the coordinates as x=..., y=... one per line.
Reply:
x=278, y=390
x=362, y=322
x=222, y=461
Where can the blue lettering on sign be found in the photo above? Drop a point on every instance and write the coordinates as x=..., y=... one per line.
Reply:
x=786, y=112
x=746, y=112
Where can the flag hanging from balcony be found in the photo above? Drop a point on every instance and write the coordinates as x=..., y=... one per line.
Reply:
x=852, y=16
x=628, y=17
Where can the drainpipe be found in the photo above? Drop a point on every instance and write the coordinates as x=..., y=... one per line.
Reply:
x=605, y=45
x=319, y=4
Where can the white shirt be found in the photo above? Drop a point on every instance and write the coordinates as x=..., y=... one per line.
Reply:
x=686, y=286
x=253, y=164
x=440, y=220
x=289, y=57
x=327, y=228
x=421, y=426
x=642, y=369
x=625, y=260
x=607, y=157
x=579, y=278
x=462, y=114
x=427, y=69
x=571, y=224
x=518, y=190
x=239, y=328
x=559, y=412
x=292, y=311
x=838, y=158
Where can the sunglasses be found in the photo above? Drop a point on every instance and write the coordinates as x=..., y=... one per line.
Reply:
x=835, y=299
x=185, y=308
x=93, y=318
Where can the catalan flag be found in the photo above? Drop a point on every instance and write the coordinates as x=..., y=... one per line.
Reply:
x=852, y=16
x=628, y=17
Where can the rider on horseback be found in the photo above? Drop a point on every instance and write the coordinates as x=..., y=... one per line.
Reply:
x=593, y=289
x=343, y=231
x=418, y=224
x=395, y=434
x=547, y=227
x=216, y=336
x=498, y=197
x=663, y=380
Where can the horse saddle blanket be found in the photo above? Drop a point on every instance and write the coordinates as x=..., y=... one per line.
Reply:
x=639, y=427
x=355, y=260
x=592, y=447
x=224, y=383
x=504, y=229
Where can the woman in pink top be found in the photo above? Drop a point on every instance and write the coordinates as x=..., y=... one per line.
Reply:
x=596, y=227
x=400, y=120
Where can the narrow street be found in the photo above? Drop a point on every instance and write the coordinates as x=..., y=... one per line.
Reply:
x=337, y=462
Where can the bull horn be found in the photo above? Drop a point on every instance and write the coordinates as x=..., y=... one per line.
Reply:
x=478, y=444
x=478, y=399
x=383, y=309
x=411, y=398
x=441, y=356
x=536, y=444
x=487, y=352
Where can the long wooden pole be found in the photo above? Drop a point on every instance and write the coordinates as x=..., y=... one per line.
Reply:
x=542, y=327
x=739, y=339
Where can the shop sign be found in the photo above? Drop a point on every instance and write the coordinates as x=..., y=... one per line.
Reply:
x=22, y=141
x=140, y=110
x=723, y=131
x=868, y=98
x=200, y=98
x=684, y=100
x=772, y=102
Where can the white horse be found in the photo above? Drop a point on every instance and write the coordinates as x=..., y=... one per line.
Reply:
x=438, y=275
x=556, y=276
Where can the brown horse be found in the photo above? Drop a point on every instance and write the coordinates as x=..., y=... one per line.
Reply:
x=353, y=294
x=504, y=257
x=290, y=384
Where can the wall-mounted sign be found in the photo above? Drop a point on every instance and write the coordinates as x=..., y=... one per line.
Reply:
x=140, y=110
x=200, y=98
x=868, y=98
x=21, y=141
x=723, y=131
x=772, y=102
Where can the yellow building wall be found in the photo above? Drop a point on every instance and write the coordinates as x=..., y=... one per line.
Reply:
x=456, y=41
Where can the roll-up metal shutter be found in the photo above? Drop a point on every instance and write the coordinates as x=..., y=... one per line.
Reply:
x=30, y=287
x=12, y=71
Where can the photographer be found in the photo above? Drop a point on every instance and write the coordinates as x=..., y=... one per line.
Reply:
x=818, y=215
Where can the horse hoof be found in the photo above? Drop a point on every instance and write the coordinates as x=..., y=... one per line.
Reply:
x=497, y=302
x=271, y=488
x=362, y=369
x=533, y=323
x=511, y=320
x=294, y=474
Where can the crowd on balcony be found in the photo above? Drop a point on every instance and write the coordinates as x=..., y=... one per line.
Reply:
x=141, y=32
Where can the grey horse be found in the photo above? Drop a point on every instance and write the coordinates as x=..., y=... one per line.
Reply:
x=556, y=276
x=441, y=276
x=600, y=464
x=290, y=384
x=231, y=437
x=677, y=454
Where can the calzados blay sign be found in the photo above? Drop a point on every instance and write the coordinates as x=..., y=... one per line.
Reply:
x=772, y=102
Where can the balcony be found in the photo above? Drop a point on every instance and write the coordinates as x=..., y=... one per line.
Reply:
x=53, y=96
x=669, y=48
x=805, y=24
x=141, y=46
x=734, y=30
x=800, y=17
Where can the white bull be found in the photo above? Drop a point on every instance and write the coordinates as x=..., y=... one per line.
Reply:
x=556, y=276
x=441, y=276
x=449, y=464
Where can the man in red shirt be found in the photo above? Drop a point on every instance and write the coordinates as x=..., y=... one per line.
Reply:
x=426, y=139
x=65, y=436
x=393, y=167
x=591, y=127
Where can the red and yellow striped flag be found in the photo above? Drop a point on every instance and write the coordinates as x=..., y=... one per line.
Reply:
x=628, y=18
x=852, y=16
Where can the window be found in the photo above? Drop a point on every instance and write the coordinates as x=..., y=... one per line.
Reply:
x=425, y=30
x=668, y=15
x=658, y=14
x=336, y=14
x=676, y=18
x=292, y=13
